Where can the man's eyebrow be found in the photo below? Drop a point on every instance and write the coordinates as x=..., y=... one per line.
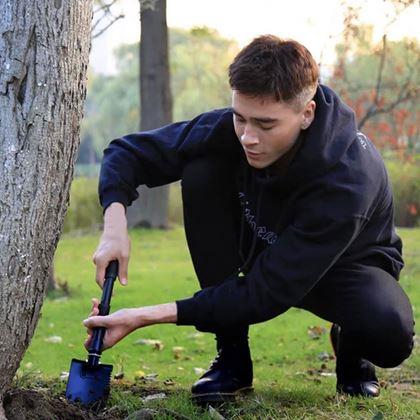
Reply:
x=261, y=120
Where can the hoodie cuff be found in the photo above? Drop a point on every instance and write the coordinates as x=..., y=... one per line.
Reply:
x=114, y=196
x=187, y=311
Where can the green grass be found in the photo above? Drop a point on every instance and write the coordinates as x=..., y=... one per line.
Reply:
x=288, y=381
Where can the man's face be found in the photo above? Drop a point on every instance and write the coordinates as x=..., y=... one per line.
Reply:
x=266, y=128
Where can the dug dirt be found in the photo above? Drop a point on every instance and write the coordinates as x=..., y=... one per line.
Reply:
x=20, y=404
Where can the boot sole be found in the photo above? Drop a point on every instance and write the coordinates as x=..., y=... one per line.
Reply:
x=220, y=397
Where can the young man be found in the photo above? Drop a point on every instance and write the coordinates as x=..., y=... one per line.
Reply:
x=286, y=204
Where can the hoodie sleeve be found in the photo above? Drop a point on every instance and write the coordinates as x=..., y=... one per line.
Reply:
x=156, y=157
x=287, y=270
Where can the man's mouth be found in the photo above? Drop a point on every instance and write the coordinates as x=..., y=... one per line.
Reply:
x=252, y=154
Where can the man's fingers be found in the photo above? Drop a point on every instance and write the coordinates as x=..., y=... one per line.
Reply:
x=123, y=271
x=100, y=273
x=95, y=307
x=96, y=321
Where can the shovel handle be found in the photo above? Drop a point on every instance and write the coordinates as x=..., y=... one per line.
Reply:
x=95, y=348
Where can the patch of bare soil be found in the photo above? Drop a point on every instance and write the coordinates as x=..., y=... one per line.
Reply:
x=21, y=404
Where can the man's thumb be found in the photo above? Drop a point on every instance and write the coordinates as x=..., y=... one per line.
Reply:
x=96, y=321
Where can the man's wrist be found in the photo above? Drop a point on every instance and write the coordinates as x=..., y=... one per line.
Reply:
x=114, y=216
x=157, y=314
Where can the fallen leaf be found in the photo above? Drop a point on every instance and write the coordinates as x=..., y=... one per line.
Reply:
x=64, y=375
x=152, y=397
x=158, y=347
x=144, y=413
x=139, y=374
x=148, y=342
x=195, y=335
x=214, y=414
x=151, y=377
x=199, y=371
x=54, y=339
x=315, y=332
x=169, y=382
x=177, y=352
x=325, y=356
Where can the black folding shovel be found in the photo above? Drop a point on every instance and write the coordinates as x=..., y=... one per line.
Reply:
x=88, y=382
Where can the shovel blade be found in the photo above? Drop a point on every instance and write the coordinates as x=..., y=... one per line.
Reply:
x=88, y=385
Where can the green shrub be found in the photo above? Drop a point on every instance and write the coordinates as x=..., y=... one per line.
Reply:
x=176, y=215
x=84, y=212
x=405, y=180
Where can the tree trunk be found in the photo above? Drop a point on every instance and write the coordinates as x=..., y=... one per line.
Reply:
x=44, y=50
x=151, y=209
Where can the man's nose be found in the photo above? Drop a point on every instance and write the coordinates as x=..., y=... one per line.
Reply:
x=249, y=137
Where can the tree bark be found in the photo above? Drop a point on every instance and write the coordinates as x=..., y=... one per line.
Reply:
x=151, y=209
x=44, y=50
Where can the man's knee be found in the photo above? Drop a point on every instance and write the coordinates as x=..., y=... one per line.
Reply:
x=387, y=339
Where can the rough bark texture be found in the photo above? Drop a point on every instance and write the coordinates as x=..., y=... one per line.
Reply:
x=151, y=209
x=44, y=49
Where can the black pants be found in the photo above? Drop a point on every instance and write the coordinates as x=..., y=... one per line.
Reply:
x=373, y=311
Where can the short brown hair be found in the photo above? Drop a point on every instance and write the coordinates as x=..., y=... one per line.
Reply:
x=270, y=66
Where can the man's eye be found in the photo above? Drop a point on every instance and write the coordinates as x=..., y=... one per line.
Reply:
x=239, y=120
x=267, y=128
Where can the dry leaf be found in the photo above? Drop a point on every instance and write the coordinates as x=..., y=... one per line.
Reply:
x=158, y=346
x=139, y=374
x=169, y=382
x=152, y=397
x=315, y=332
x=325, y=356
x=177, y=352
x=199, y=371
x=214, y=414
x=64, y=376
x=148, y=342
x=54, y=339
x=151, y=377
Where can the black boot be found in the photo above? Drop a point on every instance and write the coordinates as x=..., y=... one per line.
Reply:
x=229, y=375
x=355, y=376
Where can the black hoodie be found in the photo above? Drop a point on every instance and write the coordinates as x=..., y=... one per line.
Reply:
x=331, y=206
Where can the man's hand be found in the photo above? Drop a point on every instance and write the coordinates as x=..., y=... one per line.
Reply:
x=118, y=325
x=114, y=244
x=123, y=322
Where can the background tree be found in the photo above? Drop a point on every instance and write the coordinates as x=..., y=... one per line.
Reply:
x=380, y=80
x=44, y=48
x=151, y=210
x=199, y=59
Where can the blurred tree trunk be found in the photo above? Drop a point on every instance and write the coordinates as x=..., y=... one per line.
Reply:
x=151, y=209
x=51, y=283
x=44, y=50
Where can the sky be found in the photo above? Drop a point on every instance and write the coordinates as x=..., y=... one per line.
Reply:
x=316, y=24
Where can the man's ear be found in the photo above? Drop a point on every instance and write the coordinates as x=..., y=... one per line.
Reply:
x=308, y=114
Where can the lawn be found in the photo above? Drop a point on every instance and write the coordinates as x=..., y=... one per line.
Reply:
x=293, y=364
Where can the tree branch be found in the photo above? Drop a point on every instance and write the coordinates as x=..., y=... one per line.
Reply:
x=374, y=106
x=104, y=12
x=100, y=32
x=404, y=95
